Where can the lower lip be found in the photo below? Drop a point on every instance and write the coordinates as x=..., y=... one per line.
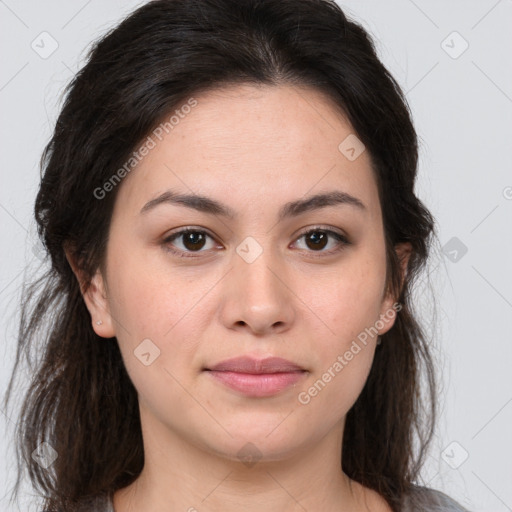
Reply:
x=257, y=385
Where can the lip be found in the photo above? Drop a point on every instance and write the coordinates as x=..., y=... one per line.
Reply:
x=257, y=377
x=253, y=365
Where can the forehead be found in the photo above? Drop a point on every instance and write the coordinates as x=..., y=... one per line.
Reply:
x=248, y=144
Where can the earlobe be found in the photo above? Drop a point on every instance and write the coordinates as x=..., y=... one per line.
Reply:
x=98, y=304
x=95, y=298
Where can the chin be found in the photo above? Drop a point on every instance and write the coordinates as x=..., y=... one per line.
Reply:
x=259, y=442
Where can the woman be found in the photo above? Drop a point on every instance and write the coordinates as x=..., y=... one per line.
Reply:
x=228, y=204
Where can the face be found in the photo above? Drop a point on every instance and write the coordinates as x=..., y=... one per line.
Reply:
x=253, y=277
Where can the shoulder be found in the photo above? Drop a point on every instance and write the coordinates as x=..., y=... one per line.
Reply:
x=425, y=499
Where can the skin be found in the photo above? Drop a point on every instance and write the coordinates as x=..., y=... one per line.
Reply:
x=254, y=149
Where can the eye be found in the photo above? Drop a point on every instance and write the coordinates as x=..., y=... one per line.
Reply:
x=193, y=240
x=317, y=239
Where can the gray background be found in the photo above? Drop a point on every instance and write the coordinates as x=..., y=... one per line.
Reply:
x=462, y=107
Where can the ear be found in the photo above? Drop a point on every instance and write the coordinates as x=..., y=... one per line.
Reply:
x=95, y=298
x=388, y=310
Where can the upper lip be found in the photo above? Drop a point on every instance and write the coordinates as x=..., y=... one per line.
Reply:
x=246, y=364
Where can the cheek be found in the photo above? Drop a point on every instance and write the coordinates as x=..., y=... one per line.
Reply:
x=155, y=319
x=333, y=392
x=149, y=299
x=346, y=304
x=144, y=309
x=346, y=300
x=344, y=356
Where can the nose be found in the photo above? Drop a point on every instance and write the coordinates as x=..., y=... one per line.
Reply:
x=257, y=296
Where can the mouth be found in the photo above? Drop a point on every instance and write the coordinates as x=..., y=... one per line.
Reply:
x=257, y=377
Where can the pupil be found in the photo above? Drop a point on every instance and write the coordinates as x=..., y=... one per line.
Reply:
x=316, y=239
x=190, y=239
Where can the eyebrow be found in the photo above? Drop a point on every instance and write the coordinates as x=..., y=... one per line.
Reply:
x=292, y=209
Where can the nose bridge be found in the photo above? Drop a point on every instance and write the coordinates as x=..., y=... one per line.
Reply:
x=257, y=295
x=257, y=267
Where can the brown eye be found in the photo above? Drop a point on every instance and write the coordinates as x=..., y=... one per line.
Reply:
x=317, y=239
x=192, y=240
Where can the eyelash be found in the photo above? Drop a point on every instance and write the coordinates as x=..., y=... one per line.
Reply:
x=343, y=241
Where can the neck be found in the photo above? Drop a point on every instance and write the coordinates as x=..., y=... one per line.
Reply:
x=178, y=475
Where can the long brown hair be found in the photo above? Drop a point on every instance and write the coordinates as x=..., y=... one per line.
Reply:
x=80, y=399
